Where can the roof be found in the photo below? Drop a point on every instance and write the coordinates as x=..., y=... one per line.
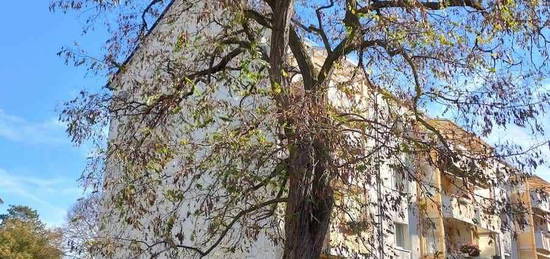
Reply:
x=459, y=135
x=535, y=182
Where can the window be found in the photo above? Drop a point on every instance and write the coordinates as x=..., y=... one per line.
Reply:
x=399, y=182
x=402, y=235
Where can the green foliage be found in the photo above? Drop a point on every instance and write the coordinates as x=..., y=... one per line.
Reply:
x=20, y=212
x=24, y=236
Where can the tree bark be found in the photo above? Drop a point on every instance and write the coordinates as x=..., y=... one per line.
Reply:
x=282, y=13
x=310, y=200
x=310, y=197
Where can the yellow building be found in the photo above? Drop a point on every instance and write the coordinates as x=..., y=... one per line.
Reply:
x=457, y=220
x=455, y=216
x=534, y=240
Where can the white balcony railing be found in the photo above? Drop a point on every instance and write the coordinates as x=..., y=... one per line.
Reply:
x=545, y=226
x=402, y=253
x=465, y=210
x=542, y=240
x=540, y=202
x=507, y=240
x=488, y=221
x=458, y=208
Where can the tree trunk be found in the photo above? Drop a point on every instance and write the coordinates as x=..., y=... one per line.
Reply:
x=310, y=200
x=282, y=13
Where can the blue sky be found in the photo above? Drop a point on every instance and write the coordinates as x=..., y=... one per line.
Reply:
x=39, y=167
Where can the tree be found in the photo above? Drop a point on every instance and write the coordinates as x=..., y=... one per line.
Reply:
x=19, y=212
x=81, y=232
x=281, y=138
x=23, y=235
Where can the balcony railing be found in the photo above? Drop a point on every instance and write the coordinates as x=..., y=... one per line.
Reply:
x=402, y=253
x=458, y=208
x=540, y=202
x=464, y=210
x=463, y=256
x=542, y=240
x=545, y=226
x=488, y=221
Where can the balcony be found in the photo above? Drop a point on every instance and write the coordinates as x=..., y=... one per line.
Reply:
x=402, y=253
x=465, y=256
x=488, y=221
x=542, y=240
x=507, y=240
x=545, y=227
x=458, y=208
x=540, y=202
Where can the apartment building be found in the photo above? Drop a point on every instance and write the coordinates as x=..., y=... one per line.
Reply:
x=447, y=219
x=460, y=220
x=450, y=219
x=391, y=233
x=534, y=240
x=459, y=210
x=454, y=219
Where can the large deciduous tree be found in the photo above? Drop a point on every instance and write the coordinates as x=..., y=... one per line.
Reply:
x=267, y=104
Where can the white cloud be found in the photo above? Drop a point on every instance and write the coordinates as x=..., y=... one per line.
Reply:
x=38, y=193
x=17, y=129
x=21, y=185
